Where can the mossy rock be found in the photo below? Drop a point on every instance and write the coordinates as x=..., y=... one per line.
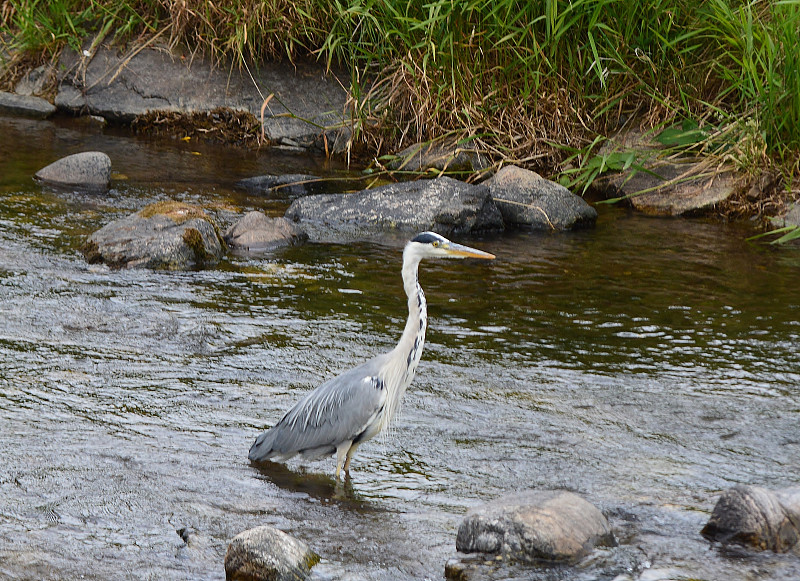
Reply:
x=178, y=212
x=166, y=235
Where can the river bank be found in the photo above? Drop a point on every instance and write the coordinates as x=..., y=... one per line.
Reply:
x=305, y=106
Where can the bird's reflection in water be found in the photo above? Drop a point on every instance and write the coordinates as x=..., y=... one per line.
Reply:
x=315, y=484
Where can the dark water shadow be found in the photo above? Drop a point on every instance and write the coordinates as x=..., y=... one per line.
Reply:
x=317, y=485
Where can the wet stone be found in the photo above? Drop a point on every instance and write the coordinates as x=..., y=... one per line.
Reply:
x=89, y=169
x=268, y=554
x=549, y=525
x=790, y=218
x=286, y=185
x=165, y=235
x=257, y=232
x=444, y=205
x=25, y=105
x=526, y=199
x=756, y=517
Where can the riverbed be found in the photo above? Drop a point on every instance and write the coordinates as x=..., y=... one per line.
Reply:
x=646, y=364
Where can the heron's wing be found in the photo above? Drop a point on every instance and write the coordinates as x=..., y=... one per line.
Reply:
x=337, y=411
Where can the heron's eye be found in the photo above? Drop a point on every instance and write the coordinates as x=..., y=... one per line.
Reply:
x=435, y=243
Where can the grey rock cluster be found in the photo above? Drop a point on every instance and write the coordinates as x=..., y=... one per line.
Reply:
x=554, y=526
x=176, y=236
x=541, y=527
x=514, y=198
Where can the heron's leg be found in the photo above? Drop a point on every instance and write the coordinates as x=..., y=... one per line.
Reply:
x=350, y=453
x=341, y=452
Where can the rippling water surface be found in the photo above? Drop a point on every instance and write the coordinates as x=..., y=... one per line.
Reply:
x=646, y=364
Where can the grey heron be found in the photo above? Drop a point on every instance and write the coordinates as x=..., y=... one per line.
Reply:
x=349, y=409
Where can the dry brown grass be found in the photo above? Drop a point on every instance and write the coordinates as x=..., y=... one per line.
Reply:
x=219, y=125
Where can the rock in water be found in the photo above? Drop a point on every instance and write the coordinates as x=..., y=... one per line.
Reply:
x=167, y=235
x=286, y=185
x=525, y=198
x=89, y=169
x=256, y=232
x=757, y=517
x=444, y=205
x=25, y=105
x=267, y=554
x=552, y=525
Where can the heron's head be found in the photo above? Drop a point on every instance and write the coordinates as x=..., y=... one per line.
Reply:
x=432, y=245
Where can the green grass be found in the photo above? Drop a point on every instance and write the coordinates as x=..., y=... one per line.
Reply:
x=538, y=82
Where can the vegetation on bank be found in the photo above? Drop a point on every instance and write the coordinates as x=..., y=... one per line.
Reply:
x=542, y=83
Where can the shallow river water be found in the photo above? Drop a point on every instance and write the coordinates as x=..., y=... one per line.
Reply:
x=646, y=364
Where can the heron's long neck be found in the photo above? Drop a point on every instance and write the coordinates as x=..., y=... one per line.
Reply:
x=406, y=355
x=413, y=338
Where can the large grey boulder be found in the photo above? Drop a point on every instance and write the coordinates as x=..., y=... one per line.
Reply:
x=445, y=205
x=257, y=232
x=526, y=199
x=25, y=105
x=756, y=517
x=268, y=554
x=165, y=235
x=308, y=109
x=552, y=525
x=89, y=169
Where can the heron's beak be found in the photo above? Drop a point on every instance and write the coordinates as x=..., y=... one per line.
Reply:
x=461, y=251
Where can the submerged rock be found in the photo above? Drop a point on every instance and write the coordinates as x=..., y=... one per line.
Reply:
x=286, y=185
x=25, y=105
x=525, y=198
x=89, y=169
x=756, y=517
x=445, y=205
x=166, y=235
x=550, y=525
x=268, y=554
x=256, y=232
